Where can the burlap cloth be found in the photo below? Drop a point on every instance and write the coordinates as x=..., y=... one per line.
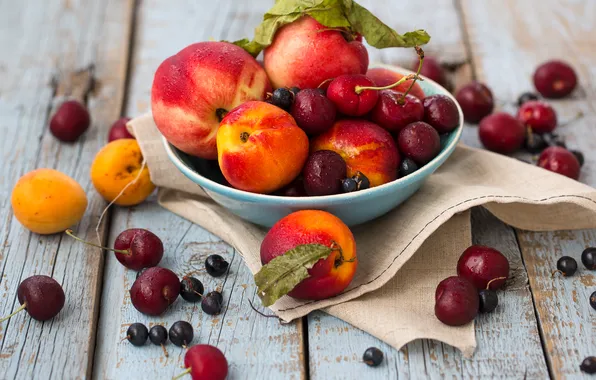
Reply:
x=406, y=253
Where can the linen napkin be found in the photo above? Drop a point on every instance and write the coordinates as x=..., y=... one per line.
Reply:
x=397, y=306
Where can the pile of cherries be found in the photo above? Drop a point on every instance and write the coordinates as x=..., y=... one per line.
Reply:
x=533, y=126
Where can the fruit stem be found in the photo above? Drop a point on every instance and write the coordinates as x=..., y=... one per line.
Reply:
x=165, y=352
x=21, y=308
x=494, y=279
x=420, y=53
x=72, y=235
x=359, y=89
x=182, y=374
x=325, y=81
x=261, y=313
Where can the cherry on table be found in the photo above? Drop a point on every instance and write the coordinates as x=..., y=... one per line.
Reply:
x=580, y=157
x=394, y=111
x=137, y=334
x=456, y=301
x=158, y=335
x=344, y=92
x=135, y=248
x=559, y=160
x=589, y=258
x=70, y=121
x=526, y=97
x=323, y=172
x=593, y=300
x=313, y=111
x=567, y=266
x=204, y=361
x=588, y=365
x=538, y=115
x=212, y=303
x=191, y=289
x=41, y=296
x=488, y=300
x=118, y=130
x=419, y=141
x=476, y=101
x=555, y=79
x=181, y=333
x=216, y=265
x=484, y=267
x=407, y=167
x=373, y=357
x=441, y=112
x=155, y=290
x=502, y=133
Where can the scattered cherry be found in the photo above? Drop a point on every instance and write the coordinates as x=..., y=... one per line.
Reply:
x=419, y=141
x=181, y=333
x=589, y=258
x=155, y=290
x=373, y=357
x=212, y=303
x=580, y=157
x=70, y=121
x=588, y=365
x=349, y=185
x=118, y=130
x=135, y=248
x=456, y=301
x=567, y=266
x=137, y=334
x=362, y=181
x=191, y=289
x=526, y=97
x=441, y=112
x=488, y=300
x=313, y=111
x=342, y=91
x=282, y=98
x=323, y=173
x=216, y=265
x=593, y=300
x=205, y=362
x=555, y=79
x=476, y=101
x=407, y=166
x=534, y=143
x=158, y=335
x=432, y=69
x=484, y=267
x=393, y=111
x=501, y=132
x=561, y=161
x=538, y=115
x=41, y=296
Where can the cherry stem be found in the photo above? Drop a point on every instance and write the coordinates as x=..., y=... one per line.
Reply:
x=72, y=235
x=125, y=338
x=325, y=81
x=493, y=280
x=558, y=271
x=182, y=374
x=420, y=53
x=165, y=352
x=261, y=313
x=21, y=308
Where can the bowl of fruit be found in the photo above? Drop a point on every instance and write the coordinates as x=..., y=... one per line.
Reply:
x=297, y=149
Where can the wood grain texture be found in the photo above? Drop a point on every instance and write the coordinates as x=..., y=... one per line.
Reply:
x=528, y=36
x=256, y=347
x=44, y=44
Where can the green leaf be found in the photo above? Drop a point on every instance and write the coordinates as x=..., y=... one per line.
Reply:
x=252, y=47
x=278, y=277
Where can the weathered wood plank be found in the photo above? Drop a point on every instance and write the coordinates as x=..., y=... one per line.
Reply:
x=256, y=347
x=529, y=35
x=43, y=42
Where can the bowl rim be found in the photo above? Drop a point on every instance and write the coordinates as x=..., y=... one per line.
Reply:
x=420, y=174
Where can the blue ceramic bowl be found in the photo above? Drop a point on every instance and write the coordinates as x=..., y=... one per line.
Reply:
x=353, y=208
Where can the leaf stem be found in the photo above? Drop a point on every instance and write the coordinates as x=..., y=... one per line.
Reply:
x=72, y=235
x=182, y=374
x=21, y=308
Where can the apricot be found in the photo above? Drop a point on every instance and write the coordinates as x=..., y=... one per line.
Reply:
x=47, y=201
x=117, y=165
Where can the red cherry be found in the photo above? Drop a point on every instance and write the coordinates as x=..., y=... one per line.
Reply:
x=206, y=362
x=41, y=296
x=441, y=112
x=559, y=160
x=313, y=111
x=555, y=79
x=539, y=116
x=432, y=69
x=144, y=248
x=501, y=132
x=481, y=265
x=419, y=141
x=476, y=101
x=456, y=301
x=393, y=112
x=70, y=121
x=118, y=130
x=342, y=91
x=154, y=290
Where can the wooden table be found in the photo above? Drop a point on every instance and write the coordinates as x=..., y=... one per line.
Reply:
x=50, y=49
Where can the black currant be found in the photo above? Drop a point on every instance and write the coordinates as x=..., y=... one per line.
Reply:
x=567, y=266
x=534, y=143
x=191, y=289
x=406, y=167
x=361, y=180
x=216, y=265
x=580, y=157
x=212, y=303
x=373, y=356
x=137, y=334
x=488, y=300
x=295, y=90
x=158, y=335
x=349, y=185
x=181, y=333
x=283, y=98
x=593, y=300
x=526, y=97
x=589, y=365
